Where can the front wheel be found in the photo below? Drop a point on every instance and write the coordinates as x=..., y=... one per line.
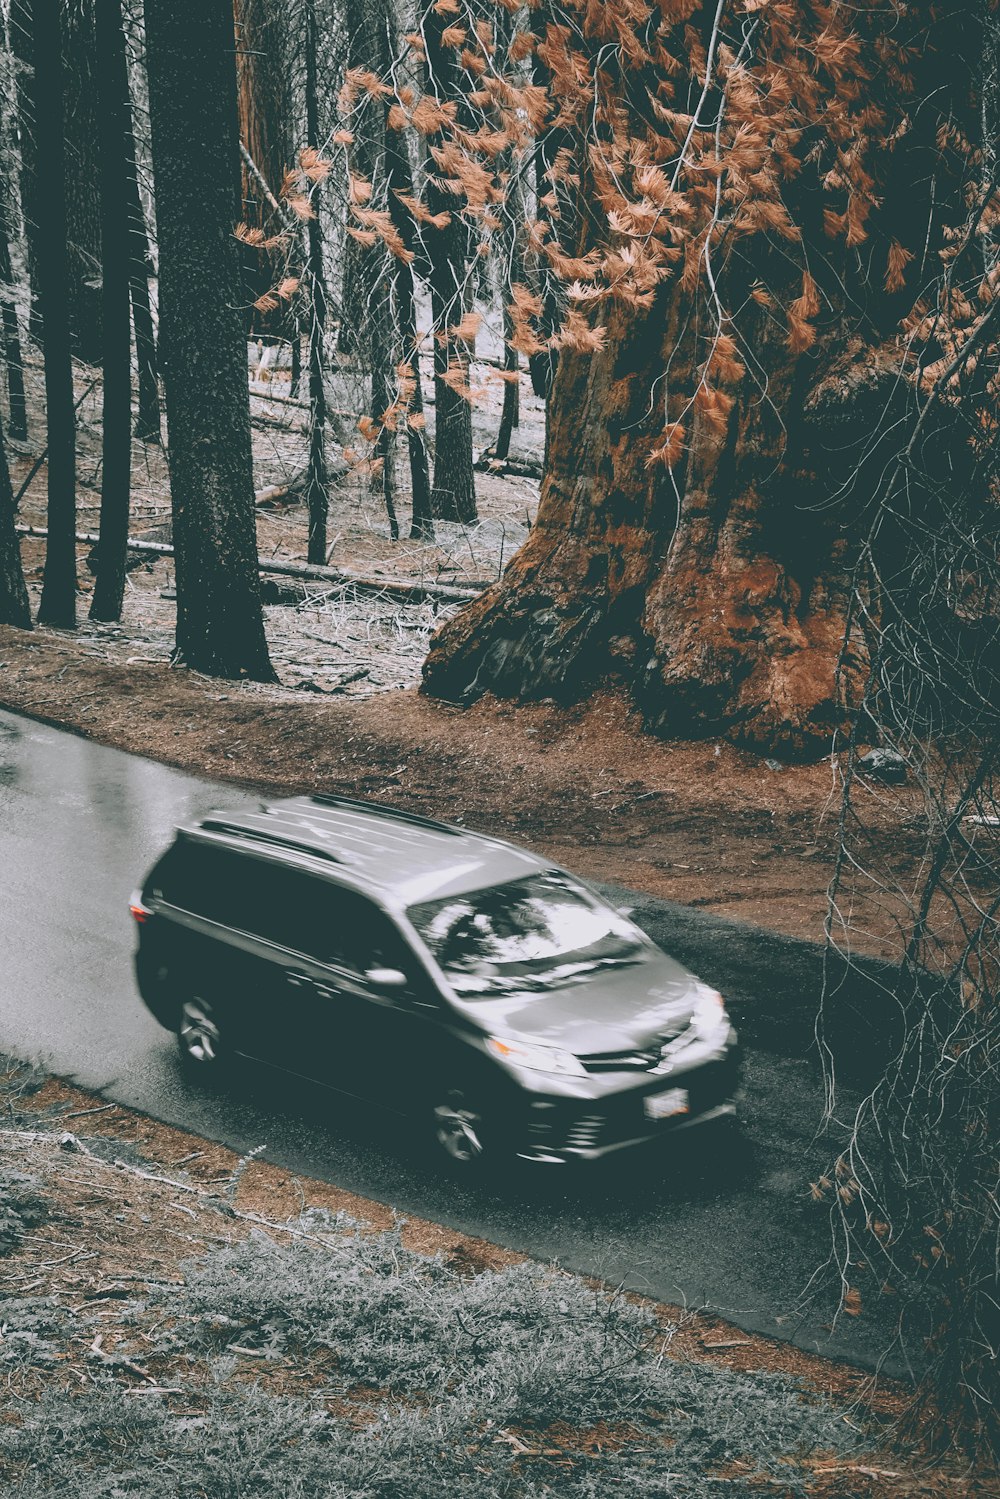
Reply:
x=460, y=1134
x=199, y=1036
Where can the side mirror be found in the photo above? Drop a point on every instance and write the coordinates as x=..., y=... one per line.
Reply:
x=386, y=978
x=625, y=910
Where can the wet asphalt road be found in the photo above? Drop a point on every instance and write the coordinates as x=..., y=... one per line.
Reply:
x=736, y=1232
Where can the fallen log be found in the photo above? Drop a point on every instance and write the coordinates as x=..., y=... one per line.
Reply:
x=407, y=592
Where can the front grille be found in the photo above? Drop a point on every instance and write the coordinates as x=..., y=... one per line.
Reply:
x=585, y=1133
x=621, y=1061
x=642, y=1059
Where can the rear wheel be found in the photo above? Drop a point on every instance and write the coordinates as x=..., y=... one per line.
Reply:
x=200, y=1037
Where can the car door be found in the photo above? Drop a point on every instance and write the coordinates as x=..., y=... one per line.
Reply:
x=281, y=923
x=363, y=1032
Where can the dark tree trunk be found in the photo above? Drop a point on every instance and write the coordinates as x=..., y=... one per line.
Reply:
x=13, y=360
x=192, y=96
x=550, y=141
x=22, y=48
x=317, y=479
x=453, y=496
x=74, y=35
x=512, y=274
x=83, y=219
x=383, y=364
x=147, y=425
x=404, y=295
x=296, y=345
x=352, y=303
x=717, y=588
x=399, y=181
x=116, y=452
x=58, y=602
x=368, y=25
x=14, y=606
x=511, y=412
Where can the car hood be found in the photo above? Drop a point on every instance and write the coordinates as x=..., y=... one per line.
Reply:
x=611, y=1009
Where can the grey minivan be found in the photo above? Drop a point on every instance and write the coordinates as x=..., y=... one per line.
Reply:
x=437, y=972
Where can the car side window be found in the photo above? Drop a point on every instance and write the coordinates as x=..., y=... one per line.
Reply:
x=360, y=936
x=207, y=881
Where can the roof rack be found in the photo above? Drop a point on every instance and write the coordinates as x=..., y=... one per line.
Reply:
x=264, y=835
x=380, y=809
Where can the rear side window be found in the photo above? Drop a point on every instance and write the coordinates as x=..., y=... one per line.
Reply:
x=284, y=906
x=210, y=882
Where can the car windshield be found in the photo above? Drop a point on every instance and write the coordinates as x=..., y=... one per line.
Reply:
x=529, y=934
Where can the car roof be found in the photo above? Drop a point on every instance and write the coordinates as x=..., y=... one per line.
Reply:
x=402, y=857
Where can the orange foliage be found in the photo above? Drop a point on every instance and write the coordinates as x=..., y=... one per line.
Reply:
x=685, y=154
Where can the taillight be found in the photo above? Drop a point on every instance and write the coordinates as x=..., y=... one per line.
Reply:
x=139, y=912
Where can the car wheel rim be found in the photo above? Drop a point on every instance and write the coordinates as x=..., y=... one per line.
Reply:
x=459, y=1132
x=199, y=1033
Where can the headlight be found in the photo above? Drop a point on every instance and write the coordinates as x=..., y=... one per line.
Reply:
x=708, y=1013
x=537, y=1058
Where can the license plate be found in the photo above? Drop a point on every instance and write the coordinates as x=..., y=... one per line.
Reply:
x=662, y=1105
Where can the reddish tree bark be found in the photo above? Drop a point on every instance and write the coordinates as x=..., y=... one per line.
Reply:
x=717, y=589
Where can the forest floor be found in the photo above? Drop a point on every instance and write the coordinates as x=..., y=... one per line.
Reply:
x=705, y=824
x=189, y=1320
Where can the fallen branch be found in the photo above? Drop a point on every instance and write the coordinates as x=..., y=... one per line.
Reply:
x=407, y=592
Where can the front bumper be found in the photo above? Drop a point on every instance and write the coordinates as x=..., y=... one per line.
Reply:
x=559, y=1130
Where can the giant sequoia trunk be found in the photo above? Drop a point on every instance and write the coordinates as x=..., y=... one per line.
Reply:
x=718, y=591
x=716, y=586
x=192, y=97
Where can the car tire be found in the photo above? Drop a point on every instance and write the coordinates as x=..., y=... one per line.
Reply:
x=460, y=1134
x=200, y=1037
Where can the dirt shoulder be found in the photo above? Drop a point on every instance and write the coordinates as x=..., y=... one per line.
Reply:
x=704, y=824
x=146, y=1268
